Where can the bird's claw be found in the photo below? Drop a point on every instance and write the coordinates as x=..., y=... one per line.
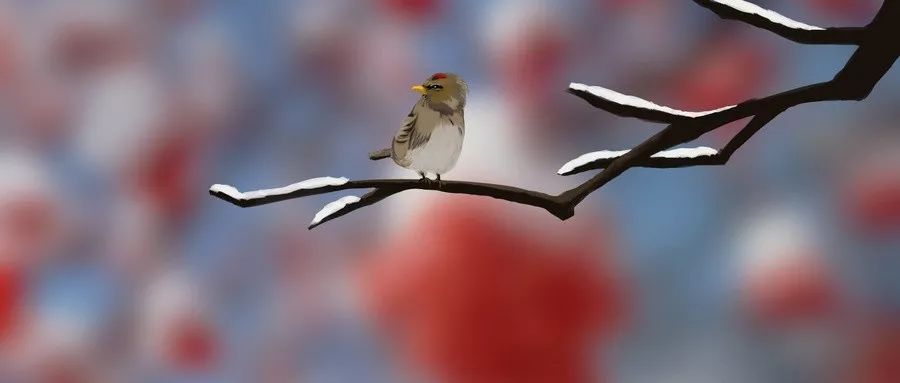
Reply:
x=431, y=183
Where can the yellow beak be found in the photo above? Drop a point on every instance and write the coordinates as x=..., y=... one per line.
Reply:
x=418, y=88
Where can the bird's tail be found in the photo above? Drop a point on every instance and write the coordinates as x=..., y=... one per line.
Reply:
x=380, y=154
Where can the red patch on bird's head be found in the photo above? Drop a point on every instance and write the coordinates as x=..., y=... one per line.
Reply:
x=438, y=76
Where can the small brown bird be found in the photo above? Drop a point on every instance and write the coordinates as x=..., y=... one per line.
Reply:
x=432, y=134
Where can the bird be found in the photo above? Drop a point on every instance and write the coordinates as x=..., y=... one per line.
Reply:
x=432, y=134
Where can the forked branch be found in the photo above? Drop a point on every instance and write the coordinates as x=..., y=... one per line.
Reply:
x=878, y=49
x=677, y=158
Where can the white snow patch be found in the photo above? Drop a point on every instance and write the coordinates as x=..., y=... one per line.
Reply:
x=313, y=183
x=229, y=190
x=333, y=207
x=687, y=152
x=637, y=102
x=775, y=17
x=587, y=158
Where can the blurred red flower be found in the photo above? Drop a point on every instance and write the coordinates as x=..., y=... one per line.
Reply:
x=62, y=370
x=12, y=300
x=872, y=200
x=166, y=172
x=792, y=292
x=727, y=70
x=475, y=299
x=878, y=358
x=192, y=344
x=414, y=10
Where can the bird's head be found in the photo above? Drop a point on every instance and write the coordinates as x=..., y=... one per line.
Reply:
x=444, y=88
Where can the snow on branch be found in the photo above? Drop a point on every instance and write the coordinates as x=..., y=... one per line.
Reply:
x=310, y=184
x=631, y=106
x=384, y=188
x=666, y=158
x=784, y=26
x=331, y=208
x=775, y=17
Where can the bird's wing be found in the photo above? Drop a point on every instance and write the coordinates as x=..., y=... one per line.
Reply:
x=412, y=135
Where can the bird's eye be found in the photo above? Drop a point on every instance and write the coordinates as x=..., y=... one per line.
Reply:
x=434, y=87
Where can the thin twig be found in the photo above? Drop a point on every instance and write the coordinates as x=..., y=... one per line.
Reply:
x=721, y=157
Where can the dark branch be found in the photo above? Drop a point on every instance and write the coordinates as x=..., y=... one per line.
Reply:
x=369, y=198
x=878, y=51
x=721, y=157
x=755, y=125
x=795, y=31
x=630, y=106
x=388, y=187
x=652, y=162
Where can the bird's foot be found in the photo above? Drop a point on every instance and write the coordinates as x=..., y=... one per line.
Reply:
x=425, y=180
x=431, y=183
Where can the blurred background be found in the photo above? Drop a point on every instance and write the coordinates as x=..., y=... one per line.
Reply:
x=117, y=266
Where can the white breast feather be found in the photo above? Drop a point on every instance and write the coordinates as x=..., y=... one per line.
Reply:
x=440, y=153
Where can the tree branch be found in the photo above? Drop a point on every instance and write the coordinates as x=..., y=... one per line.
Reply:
x=678, y=158
x=785, y=27
x=755, y=125
x=342, y=207
x=384, y=188
x=878, y=49
x=631, y=106
x=675, y=158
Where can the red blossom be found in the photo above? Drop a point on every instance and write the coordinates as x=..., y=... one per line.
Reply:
x=475, y=299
